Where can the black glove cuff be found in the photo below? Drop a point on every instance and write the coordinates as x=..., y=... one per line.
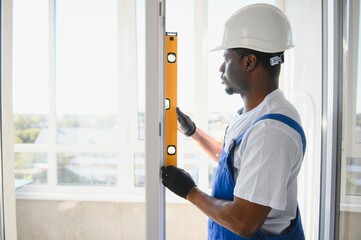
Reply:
x=177, y=180
x=191, y=130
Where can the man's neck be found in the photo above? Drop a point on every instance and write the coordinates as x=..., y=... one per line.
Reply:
x=252, y=100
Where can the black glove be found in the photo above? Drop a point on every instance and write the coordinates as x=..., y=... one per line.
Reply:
x=177, y=180
x=187, y=126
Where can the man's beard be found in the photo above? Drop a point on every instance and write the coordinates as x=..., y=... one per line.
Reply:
x=229, y=90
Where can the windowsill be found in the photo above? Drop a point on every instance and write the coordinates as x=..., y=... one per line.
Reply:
x=133, y=198
x=96, y=195
x=349, y=207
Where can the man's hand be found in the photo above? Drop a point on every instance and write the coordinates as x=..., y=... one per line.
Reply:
x=177, y=180
x=187, y=126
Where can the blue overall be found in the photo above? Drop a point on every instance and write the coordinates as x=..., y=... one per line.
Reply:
x=223, y=187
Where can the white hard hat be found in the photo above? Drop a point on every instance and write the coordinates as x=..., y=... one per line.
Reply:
x=260, y=27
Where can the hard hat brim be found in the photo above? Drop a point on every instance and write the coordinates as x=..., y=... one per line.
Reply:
x=222, y=47
x=217, y=48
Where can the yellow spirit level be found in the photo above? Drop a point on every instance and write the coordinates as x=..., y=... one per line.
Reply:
x=171, y=98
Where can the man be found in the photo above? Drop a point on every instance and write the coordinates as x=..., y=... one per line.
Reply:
x=254, y=194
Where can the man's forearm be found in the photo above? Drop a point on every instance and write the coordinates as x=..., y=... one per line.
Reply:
x=212, y=147
x=239, y=216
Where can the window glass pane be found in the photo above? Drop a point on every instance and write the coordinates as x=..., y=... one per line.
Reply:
x=30, y=128
x=211, y=172
x=139, y=170
x=353, y=185
x=140, y=31
x=190, y=162
x=31, y=168
x=185, y=31
x=358, y=95
x=87, y=169
x=30, y=70
x=218, y=123
x=86, y=71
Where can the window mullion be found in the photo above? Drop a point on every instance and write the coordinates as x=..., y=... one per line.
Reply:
x=127, y=86
x=52, y=166
x=8, y=201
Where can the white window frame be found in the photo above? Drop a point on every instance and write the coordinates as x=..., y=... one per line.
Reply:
x=8, y=220
x=331, y=120
x=350, y=77
x=155, y=118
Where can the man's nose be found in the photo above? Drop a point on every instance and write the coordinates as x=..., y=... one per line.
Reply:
x=221, y=68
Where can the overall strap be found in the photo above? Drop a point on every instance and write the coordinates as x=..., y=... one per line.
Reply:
x=279, y=117
x=295, y=229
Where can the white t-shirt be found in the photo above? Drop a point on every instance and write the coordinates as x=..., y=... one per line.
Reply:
x=268, y=160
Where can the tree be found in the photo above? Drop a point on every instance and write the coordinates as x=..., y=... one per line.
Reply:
x=28, y=126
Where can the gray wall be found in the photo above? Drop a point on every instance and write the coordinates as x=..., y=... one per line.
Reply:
x=80, y=220
x=350, y=227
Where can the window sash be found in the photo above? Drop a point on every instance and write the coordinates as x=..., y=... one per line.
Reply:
x=351, y=148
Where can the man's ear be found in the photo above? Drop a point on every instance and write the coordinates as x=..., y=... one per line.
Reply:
x=251, y=62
